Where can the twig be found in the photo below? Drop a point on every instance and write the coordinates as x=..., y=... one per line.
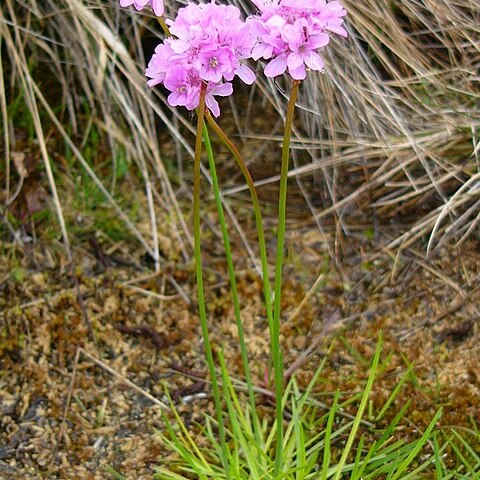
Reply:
x=158, y=296
x=111, y=371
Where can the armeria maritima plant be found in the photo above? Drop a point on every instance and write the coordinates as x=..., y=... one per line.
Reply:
x=207, y=45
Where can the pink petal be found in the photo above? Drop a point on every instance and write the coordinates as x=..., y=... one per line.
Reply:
x=176, y=98
x=293, y=35
x=139, y=4
x=298, y=73
x=335, y=8
x=338, y=30
x=154, y=81
x=223, y=90
x=276, y=21
x=276, y=67
x=212, y=105
x=210, y=74
x=314, y=61
x=158, y=7
x=246, y=74
x=294, y=60
x=318, y=41
x=262, y=50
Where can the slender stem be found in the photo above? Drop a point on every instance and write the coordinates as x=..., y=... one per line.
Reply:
x=276, y=351
x=199, y=274
x=233, y=283
x=164, y=26
x=257, y=211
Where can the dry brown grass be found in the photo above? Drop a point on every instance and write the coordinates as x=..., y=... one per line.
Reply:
x=391, y=128
x=96, y=82
x=393, y=124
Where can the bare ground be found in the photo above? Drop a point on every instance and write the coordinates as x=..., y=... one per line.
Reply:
x=427, y=311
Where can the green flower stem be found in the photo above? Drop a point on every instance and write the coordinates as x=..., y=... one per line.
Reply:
x=199, y=274
x=276, y=351
x=164, y=26
x=233, y=283
x=257, y=212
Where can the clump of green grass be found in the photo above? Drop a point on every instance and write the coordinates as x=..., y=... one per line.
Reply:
x=318, y=444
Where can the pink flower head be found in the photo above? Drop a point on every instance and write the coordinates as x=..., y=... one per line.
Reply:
x=209, y=44
x=157, y=5
x=290, y=33
x=158, y=65
x=184, y=85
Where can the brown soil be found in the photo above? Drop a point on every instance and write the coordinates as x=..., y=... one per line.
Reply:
x=427, y=311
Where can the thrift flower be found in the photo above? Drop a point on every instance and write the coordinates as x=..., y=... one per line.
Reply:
x=290, y=33
x=209, y=45
x=157, y=5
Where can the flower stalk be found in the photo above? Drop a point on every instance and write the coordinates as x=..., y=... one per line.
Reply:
x=164, y=26
x=275, y=340
x=233, y=281
x=257, y=213
x=199, y=276
x=207, y=45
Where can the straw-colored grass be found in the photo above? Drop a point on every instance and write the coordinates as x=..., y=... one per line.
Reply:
x=390, y=129
x=393, y=124
x=96, y=82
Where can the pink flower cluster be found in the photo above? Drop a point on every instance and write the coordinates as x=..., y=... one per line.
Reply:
x=157, y=5
x=290, y=32
x=209, y=46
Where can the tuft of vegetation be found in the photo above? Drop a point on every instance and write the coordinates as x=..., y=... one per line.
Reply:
x=389, y=131
x=71, y=92
x=318, y=443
